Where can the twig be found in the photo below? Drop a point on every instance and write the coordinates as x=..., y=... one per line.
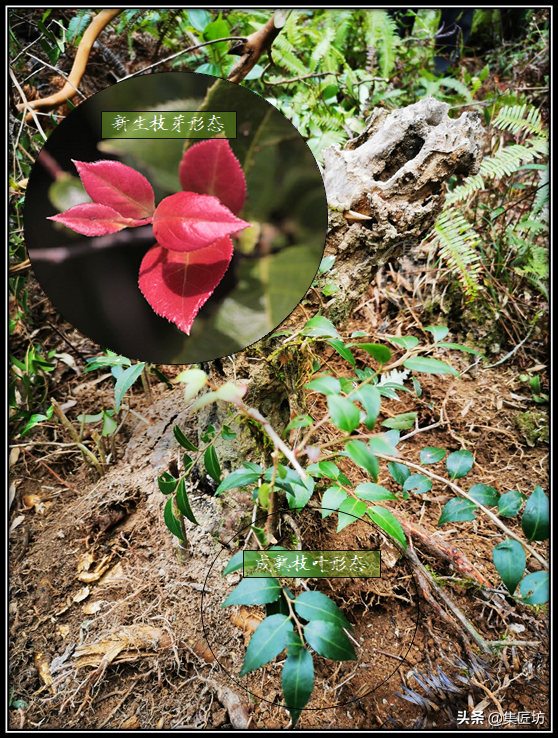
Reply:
x=26, y=105
x=54, y=474
x=464, y=494
x=288, y=453
x=58, y=71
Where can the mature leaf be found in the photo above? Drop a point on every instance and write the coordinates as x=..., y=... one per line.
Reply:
x=381, y=445
x=534, y=588
x=267, y=642
x=92, y=219
x=439, y=332
x=400, y=472
x=183, y=503
x=176, y=284
x=244, y=559
x=484, y=495
x=418, y=484
x=387, y=521
x=341, y=349
x=188, y=222
x=535, y=521
x=212, y=463
x=317, y=606
x=297, y=680
x=360, y=454
x=125, y=381
x=431, y=455
x=343, y=413
x=326, y=385
x=371, y=400
x=167, y=483
x=407, y=342
x=181, y=438
x=329, y=640
x=118, y=186
x=320, y=326
x=509, y=504
x=328, y=469
x=254, y=591
x=373, y=492
x=457, y=510
x=459, y=347
x=350, y=510
x=459, y=463
x=171, y=522
x=211, y=168
x=429, y=366
x=404, y=421
x=381, y=353
x=332, y=498
x=509, y=560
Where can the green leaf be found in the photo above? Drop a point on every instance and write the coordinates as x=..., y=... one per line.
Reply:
x=359, y=453
x=320, y=326
x=267, y=642
x=227, y=434
x=342, y=350
x=431, y=455
x=459, y=347
x=373, y=492
x=281, y=607
x=388, y=523
x=238, y=478
x=534, y=588
x=125, y=381
x=301, y=421
x=371, y=401
x=380, y=445
x=484, y=495
x=194, y=379
x=399, y=472
x=254, y=591
x=297, y=680
x=317, y=606
x=392, y=437
x=212, y=463
x=167, y=483
x=381, y=353
x=429, y=366
x=326, y=385
x=459, y=463
x=329, y=641
x=238, y=560
x=509, y=560
x=109, y=424
x=331, y=289
x=188, y=463
x=198, y=19
x=343, y=413
x=171, y=522
x=183, y=503
x=509, y=504
x=326, y=264
x=457, y=510
x=349, y=511
x=329, y=469
x=417, y=387
x=404, y=421
x=418, y=484
x=332, y=498
x=300, y=494
x=408, y=342
x=535, y=520
x=260, y=535
x=182, y=440
x=439, y=332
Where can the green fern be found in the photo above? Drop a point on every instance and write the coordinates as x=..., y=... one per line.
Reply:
x=381, y=33
x=456, y=241
x=513, y=119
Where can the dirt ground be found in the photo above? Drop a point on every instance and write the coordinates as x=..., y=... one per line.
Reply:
x=108, y=630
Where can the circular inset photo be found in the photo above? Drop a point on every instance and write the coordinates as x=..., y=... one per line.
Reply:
x=175, y=218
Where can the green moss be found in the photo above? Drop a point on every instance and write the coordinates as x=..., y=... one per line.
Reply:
x=533, y=426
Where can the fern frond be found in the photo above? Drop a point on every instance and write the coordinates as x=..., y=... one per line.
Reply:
x=473, y=184
x=321, y=49
x=284, y=55
x=381, y=33
x=512, y=118
x=456, y=241
x=540, y=204
x=506, y=161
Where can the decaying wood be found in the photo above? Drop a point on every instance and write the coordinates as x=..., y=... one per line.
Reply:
x=394, y=173
x=255, y=45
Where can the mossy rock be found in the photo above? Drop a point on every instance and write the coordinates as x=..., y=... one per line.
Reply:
x=533, y=426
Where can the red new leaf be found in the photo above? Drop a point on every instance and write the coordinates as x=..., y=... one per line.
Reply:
x=117, y=186
x=211, y=168
x=92, y=219
x=177, y=284
x=188, y=222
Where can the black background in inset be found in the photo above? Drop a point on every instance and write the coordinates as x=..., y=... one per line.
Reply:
x=261, y=521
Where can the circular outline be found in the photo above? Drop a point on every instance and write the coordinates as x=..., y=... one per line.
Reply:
x=262, y=699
